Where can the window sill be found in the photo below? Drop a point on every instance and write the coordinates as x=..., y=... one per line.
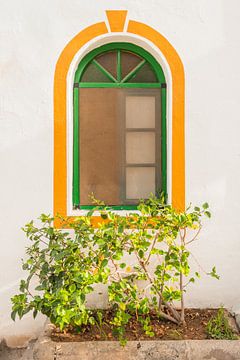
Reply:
x=123, y=211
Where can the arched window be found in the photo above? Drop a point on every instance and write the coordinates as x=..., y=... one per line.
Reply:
x=119, y=145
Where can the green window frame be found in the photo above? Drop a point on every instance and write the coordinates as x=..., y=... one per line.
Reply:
x=117, y=82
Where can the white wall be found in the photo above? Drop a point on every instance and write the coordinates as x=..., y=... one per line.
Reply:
x=206, y=35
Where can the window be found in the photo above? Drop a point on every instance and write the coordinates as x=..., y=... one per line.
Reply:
x=119, y=150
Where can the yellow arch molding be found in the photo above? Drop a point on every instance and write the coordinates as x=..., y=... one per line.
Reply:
x=116, y=21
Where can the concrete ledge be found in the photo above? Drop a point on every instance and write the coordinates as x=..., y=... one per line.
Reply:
x=12, y=352
x=46, y=349
x=237, y=318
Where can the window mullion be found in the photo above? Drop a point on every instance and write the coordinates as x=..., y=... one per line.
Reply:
x=119, y=72
x=164, y=139
x=133, y=72
x=76, y=192
x=140, y=129
x=104, y=71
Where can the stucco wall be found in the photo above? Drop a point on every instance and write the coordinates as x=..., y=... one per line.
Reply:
x=206, y=35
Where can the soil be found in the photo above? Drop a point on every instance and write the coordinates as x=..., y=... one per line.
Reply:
x=195, y=328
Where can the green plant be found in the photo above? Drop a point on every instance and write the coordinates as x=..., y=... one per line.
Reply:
x=218, y=327
x=143, y=259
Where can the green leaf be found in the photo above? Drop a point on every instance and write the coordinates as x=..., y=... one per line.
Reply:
x=78, y=300
x=35, y=313
x=122, y=265
x=39, y=288
x=104, y=262
x=90, y=212
x=214, y=274
x=197, y=208
x=13, y=315
x=141, y=253
x=23, y=285
x=205, y=206
x=122, y=306
x=72, y=288
x=92, y=321
x=25, y=266
x=207, y=213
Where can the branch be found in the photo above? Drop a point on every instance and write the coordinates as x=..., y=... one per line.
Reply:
x=152, y=247
x=162, y=283
x=199, y=265
x=194, y=238
x=169, y=307
x=168, y=317
x=181, y=278
x=116, y=268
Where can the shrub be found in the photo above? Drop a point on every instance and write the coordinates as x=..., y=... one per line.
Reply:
x=67, y=266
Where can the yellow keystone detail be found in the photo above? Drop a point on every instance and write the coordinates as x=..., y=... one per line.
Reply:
x=116, y=19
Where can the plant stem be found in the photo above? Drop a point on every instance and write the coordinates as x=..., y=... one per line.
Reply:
x=152, y=247
x=196, y=235
x=169, y=307
x=116, y=268
x=161, y=289
x=168, y=317
x=182, y=316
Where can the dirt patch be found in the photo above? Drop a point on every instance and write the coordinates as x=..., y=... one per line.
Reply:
x=195, y=329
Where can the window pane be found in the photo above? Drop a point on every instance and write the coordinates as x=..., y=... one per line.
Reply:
x=105, y=145
x=93, y=74
x=128, y=62
x=140, y=111
x=109, y=62
x=140, y=182
x=140, y=147
x=144, y=75
x=99, y=146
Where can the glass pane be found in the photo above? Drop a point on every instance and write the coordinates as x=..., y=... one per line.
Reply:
x=128, y=62
x=100, y=146
x=109, y=62
x=140, y=182
x=140, y=111
x=140, y=147
x=144, y=75
x=93, y=74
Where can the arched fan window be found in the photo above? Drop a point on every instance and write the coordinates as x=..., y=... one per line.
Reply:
x=119, y=150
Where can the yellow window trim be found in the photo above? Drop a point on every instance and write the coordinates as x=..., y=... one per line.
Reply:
x=116, y=20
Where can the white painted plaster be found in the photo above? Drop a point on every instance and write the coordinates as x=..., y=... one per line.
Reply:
x=206, y=35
